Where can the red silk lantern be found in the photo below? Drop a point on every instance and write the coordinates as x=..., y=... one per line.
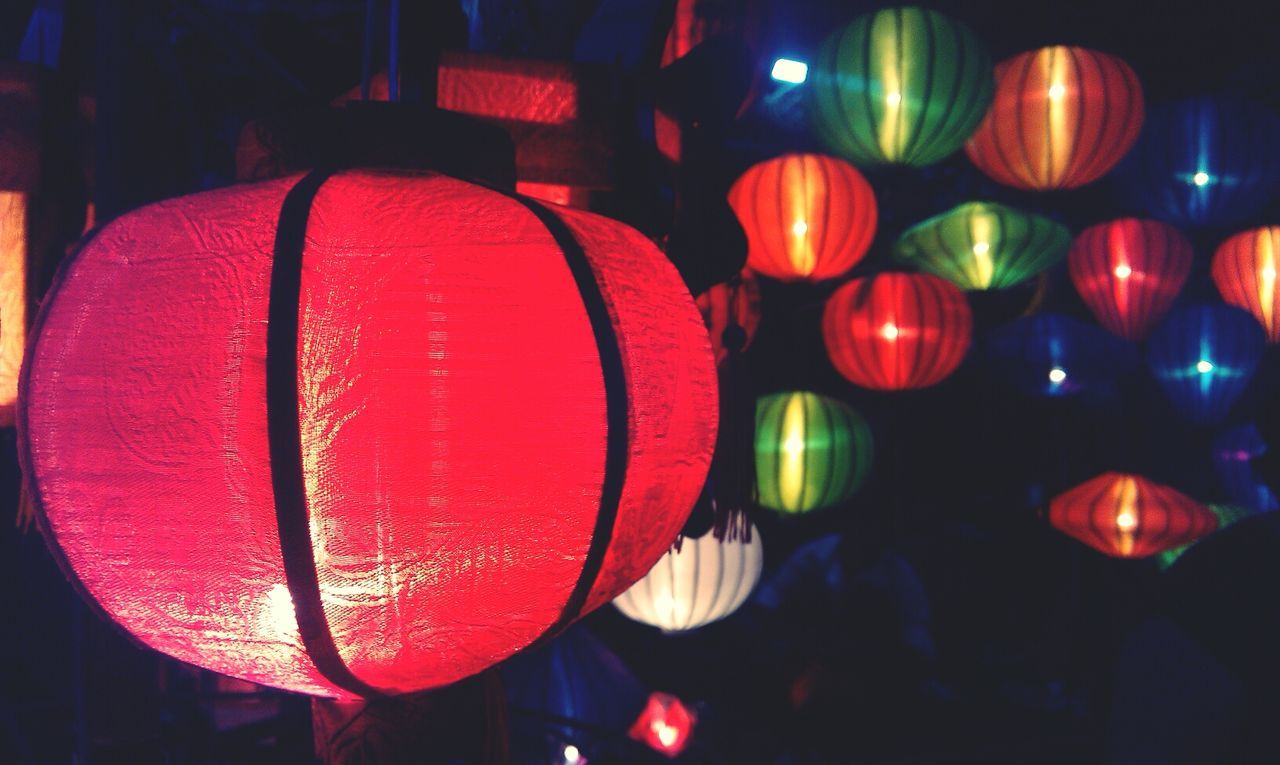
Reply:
x=366, y=433
x=665, y=724
x=1062, y=117
x=807, y=216
x=735, y=303
x=1128, y=516
x=894, y=331
x=1244, y=268
x=1129, y=272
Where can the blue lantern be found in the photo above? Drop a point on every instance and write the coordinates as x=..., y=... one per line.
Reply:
x=1053, y=355
x=1232, y=451
x=1204, y=357
x=1205, y=161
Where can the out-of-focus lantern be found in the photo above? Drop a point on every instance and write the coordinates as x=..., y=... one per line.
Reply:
x=1061, y=117
x=323, y=477
x=1244, y=269
x=903, y=85
x=811, y=451
x=1053, y=355
x=666, y=724
x=1129, y=272
x=984, y=245
x=1233, y=453
x=735, y=303
x=700, y=581
x=807, y=216
x=1128, y=516
x=894, y=331
x=1204, y=161
x=1226, y=515
x=1203, y=357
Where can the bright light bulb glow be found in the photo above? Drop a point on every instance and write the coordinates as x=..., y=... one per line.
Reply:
x=571, y=755
x=789, y=70
x=1268, y=272
x=1126, y=520
x=981, y=248
x=893, y=99
x=799, y=228
x=1123, y=271
x=1057, y=91
x=1200, y=179
x=1057, y=375
x=889, y=331
x=666, y=734
x=1204, y=366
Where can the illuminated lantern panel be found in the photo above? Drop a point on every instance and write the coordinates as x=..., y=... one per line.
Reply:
x=322, y=477
x=1226, y=515
x=735, y=303
x=1129, y=272
x=1233, y=451
x=984, y=245
x=1204, y=161
x=1128, y=516
x=1061, y=117
x=1204, y=357
x=701, y=582
x=811, y=452
x=807, y=216
x=894, y=331
x=1053, y=355
x=903, y=85
x=1244, y=269
x=666, y=724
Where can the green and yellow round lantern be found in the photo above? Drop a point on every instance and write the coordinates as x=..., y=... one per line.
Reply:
x=984, y=245
x=903, y=86
x=811, y=451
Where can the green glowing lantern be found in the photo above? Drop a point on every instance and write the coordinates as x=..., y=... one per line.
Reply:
x=984, y=245
x=811, y=451
x=1227, y=515
x=900, y=86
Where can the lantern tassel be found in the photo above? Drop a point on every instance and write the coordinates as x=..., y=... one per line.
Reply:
x=732, y=479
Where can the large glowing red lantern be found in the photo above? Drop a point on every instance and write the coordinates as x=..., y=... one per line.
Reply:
x=1128, y=516
x=365, y=433
x=807, y=216
x=1244, y=268
x=1129, y=272
x=895, y=331
x=1062, y=117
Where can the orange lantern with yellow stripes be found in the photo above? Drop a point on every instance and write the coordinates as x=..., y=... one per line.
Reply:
x=1128, y=516
x=1244, y=268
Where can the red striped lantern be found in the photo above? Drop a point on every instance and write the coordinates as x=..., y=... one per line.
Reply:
x=1244, y=268
x=363, y=433
x=807, y=216
x=1128, y=516
x=1062, y=117
x=1129, y=272
x=735, y=303
x=894, y=331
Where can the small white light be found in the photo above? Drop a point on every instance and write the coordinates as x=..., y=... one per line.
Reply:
x=1268, y=272
x=1204, y=366
x=890, y=331
x=1057, y=91
x=894, y=98
x=1200, y=178
x=1057, y=375
x=1123, y=271
x=571, y=755
x=788, y=70
x=799, y=228
x=981, y=248
x=1126, y=520
x=667, y=734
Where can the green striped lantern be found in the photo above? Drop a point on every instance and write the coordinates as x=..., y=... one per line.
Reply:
x=984, y=245
x=811, y=451
x=901, y=86
x=1227, y=515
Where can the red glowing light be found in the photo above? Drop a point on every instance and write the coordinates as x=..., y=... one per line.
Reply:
x=665, y=724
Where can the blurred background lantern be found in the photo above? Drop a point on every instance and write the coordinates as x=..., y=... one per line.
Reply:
x=1244, y=269
x=1128, y=516
x=666, y=724
x=1129, y=272
x=811, y=451
x=733, y=306
x=1054, y=355
x=1226, y=515
x=1204, y=357
x=296, y=539
x=1205, y=161
x=1233, y=452
x=699, y=581
x=904, y=85
x=894, y=331
x=1061, y=117
x=807, y=216
x=984, y=245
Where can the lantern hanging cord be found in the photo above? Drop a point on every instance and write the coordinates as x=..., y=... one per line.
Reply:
x=393, y=54
x=366, y=54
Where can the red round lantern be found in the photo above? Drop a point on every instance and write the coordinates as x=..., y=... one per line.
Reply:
x=1129, y=272
x=807, y=216
x=1128, y=516
x=1244, y=268
x=894, y=331
x=735, y=303
x=366, y=433
x=1062, y=117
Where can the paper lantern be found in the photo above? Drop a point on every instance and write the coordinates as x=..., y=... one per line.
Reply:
x=811, y=451
x=1226, y=515
x=1061, y=117
x=701, y=581
x=733, y=306
x=1128, y=516
x=1244, y=269
x=666, y=724
x=806, y=216
x=903, y=85
x=894, y=331
x=362, y=433
x=1233, y=453
x=1053, y=355
x=1129, y=272
x=1204, y=357
x=984, y=245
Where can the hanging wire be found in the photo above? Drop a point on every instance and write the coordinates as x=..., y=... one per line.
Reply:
x=393, y=57
x=366, y=55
